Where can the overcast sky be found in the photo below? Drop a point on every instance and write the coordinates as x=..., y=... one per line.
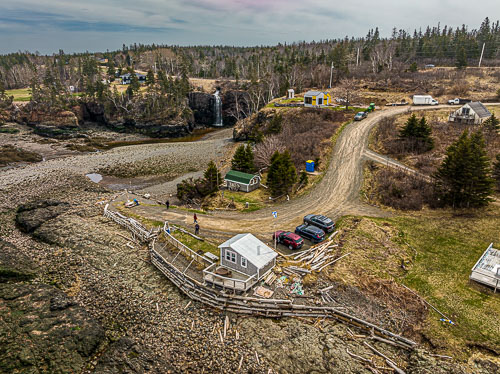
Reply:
x=96, y=25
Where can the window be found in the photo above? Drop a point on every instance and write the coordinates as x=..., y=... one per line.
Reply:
x=243, y=262
x=230, y=256
x=465, y=111
x=320, y=101
x=308, y=100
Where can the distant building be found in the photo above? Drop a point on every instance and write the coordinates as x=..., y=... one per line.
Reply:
x=316, y=99
x=473, y=113
x=102, y=60
x=487, y=268
x=291, y=93
x=239, y=181
x=127, y=78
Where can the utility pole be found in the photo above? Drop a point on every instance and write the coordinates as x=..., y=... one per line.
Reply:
x=481, y=58
x=331, y=75
x=357, y=58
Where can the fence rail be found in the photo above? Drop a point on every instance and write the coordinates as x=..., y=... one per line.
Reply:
x=202, y=260
x=137, y=229
x=252, y=306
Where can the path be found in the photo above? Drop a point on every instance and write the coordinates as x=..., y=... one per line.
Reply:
x=337, y=194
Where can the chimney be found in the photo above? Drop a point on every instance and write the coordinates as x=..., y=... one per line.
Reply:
x=258, y=250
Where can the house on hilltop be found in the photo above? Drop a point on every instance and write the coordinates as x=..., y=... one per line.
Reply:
x=127, y=78
x=239, y=181
x=316, y=99
x=473, y=113
x=244, y=261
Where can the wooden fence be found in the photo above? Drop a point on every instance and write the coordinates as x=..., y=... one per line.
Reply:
x=202, y=260
x=275, y=308
x=137, y=229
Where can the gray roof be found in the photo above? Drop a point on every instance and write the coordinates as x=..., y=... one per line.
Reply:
x=487, y=268
x=312, y=93
x=251, y=248
x=479, y=109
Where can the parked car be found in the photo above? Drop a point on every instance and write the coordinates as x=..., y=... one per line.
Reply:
x=322, y=222
x=313, y=233
x=360, y=115
x=288, y=238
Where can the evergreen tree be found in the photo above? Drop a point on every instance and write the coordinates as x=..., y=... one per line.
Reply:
x=282, y=174
x=111, y=70
x=243, y=159
x=463, y=179
x=134, y=85
x=150, y=78
x=461, y=62
x=304, y=179
x=275, y=124
x=212, y=176
x=413, y=67
x=496, y=171
x=492, y=123
x=418, y=133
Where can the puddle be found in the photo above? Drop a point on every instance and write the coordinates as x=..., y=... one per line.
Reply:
x=94, y=177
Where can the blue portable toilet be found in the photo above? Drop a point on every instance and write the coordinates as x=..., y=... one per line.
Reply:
x=310, y=166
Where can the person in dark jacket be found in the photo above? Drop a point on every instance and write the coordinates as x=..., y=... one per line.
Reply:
x=196, y=229
x=168, y=204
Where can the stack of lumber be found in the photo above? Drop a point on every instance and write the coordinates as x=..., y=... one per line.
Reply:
x=317, y=255
x=271, y=277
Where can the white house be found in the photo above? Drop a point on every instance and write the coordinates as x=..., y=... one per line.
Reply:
x=244, y=261
x=316, y=99
x=473, y=113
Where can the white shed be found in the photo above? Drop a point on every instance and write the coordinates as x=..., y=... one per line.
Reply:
x=487, y=268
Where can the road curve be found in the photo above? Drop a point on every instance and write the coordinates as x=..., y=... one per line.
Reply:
x=337, y=194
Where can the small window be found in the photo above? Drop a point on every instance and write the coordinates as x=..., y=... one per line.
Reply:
x=320, y=101
x=231, y=256
x=308, y=100
x=243, y=262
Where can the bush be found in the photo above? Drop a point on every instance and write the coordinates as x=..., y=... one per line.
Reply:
x=190, y=189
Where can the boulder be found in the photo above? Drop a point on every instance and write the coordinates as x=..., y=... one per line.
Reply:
x=31, y=216
x=203, y=107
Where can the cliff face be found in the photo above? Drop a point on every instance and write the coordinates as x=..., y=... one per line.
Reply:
x=235, y=106
x=202, y=105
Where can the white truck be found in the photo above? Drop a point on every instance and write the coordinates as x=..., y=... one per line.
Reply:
x=424, y=100
x=458, y=101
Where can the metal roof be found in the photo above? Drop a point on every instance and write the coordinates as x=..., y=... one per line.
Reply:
x=479, y=109
x=487, y=268
x=312, y=93
x=239, y=176
x=254, y=250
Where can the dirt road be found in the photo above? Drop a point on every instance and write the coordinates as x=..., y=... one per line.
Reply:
x=337, y=194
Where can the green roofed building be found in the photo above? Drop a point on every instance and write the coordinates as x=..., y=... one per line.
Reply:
x=239, y=181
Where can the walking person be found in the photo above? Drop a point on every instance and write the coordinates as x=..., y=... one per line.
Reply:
x=196, y=229
x=195, y=218
x=168, y=204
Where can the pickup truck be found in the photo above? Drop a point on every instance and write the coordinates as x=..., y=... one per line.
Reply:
x=458, y=101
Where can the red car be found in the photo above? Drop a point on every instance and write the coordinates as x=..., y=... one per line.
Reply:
x=290, y=239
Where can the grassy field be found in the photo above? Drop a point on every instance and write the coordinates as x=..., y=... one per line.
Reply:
x=256, y=199
x=21, y=94
x=195, y=244
x=447, y=248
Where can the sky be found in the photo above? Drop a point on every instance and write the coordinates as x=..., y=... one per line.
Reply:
x=98, y=25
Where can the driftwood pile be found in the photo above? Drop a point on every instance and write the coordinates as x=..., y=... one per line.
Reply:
x=316, y=258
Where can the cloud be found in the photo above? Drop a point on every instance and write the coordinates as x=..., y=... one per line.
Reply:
x=236, y=22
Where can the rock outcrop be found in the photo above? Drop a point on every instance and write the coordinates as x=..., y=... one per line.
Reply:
x=31, y=216
x=202, y=105
x=235, y=106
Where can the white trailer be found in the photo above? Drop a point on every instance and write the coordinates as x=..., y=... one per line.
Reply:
x=424, y=100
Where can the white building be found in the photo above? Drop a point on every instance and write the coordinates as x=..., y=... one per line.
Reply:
x=473, y=113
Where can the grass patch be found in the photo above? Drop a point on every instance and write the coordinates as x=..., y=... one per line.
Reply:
x=8, y=130
x=10, y=154
x=256, y=199
x=447, y=249
x=195, y=244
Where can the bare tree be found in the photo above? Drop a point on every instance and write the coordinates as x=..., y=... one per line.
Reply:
x=347, y=91
x=263, y=151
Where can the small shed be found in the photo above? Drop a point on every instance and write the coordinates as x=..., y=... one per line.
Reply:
x=246, y=254
x=473, y=113
x=239, y=181
x=291, y=93
x=316, y=99
x=487, y=268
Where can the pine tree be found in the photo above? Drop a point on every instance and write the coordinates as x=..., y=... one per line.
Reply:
x=150, y=78
x=418, y=132
x=461, y=59
x=243, y=159
x=463, y=179
x=213, y=177
x=492, y=123
x=496, y=171
x=282, y=174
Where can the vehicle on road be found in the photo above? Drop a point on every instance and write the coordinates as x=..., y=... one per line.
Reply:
x=458, y=101
x=371, y=108
x=320, y=221
x=424, y=100
x=360, y=115
x=289, y=239
x=313, y=233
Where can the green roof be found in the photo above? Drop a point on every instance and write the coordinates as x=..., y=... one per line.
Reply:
x=238, y=176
